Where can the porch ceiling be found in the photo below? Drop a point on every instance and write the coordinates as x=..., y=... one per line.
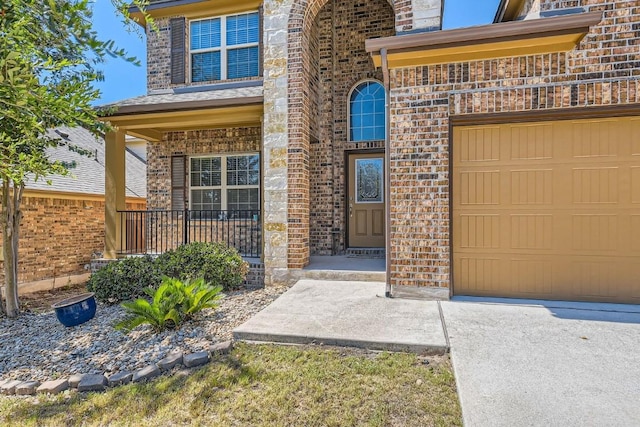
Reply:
x=538, y=36
x=148, y=117
x=150, y=126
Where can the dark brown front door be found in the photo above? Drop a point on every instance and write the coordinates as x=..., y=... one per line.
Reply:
x=366, y=201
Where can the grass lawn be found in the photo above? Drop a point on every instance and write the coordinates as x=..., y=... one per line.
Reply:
x=264, y=385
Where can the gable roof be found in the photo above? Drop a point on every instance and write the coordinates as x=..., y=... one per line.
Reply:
x=86, y=173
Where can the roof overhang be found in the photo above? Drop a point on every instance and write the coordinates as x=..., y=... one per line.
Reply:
x=193, y=9
x=508, y=10
x=519, y=38
x=150, y=121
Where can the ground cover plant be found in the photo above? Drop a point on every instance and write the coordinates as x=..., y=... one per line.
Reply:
x=267, y=386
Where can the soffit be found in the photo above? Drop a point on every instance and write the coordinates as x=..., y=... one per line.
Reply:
x=194, y=9
x=148, y=116
x=546, y=35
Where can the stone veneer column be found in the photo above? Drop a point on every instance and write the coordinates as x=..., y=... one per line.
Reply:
x=418, y=15
x=275, y=140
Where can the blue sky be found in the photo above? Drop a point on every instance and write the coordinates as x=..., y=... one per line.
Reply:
x=125, y=80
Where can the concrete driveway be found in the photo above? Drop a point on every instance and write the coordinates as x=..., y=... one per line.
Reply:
x=543, y=363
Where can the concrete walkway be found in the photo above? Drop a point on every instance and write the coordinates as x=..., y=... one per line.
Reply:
x=545, y=363
x=348, y=314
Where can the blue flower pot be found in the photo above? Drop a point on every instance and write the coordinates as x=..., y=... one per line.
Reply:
x=75, y=310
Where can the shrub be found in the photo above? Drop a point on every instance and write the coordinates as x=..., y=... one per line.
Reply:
x=124, y=280
x=172, y=303
x=215, y=262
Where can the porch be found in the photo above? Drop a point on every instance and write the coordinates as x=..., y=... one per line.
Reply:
x=156, y=231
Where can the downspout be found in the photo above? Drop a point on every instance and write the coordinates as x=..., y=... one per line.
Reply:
x=387, y=172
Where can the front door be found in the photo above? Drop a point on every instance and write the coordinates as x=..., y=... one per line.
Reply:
x=365, y=209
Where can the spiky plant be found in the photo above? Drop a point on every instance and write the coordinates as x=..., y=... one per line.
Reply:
x=171, y=304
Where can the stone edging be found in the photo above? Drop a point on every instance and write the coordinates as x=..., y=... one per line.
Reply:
x=99, y=382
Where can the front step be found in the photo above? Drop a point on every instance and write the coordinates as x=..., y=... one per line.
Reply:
x=367, y=253
x=342, y=268
x=340, y=275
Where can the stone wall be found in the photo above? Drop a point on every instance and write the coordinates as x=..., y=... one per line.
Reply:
x=58, y=236
x=197, y=142
x=603, y=70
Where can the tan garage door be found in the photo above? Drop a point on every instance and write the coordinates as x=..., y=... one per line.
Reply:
x=548, y=210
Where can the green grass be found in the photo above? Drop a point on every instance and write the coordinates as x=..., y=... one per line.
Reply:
x=266, y=386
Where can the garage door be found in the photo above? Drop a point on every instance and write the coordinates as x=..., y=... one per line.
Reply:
x=548, y=210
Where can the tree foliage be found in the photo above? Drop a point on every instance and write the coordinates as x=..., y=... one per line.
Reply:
x=50, y=56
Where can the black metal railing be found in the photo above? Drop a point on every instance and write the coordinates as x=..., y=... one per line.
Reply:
x=157, y=231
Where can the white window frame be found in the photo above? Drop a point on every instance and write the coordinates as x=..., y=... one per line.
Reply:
x=223, y=187
x=223, y=45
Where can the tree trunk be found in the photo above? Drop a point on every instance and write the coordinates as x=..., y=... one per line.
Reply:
x=11, y=198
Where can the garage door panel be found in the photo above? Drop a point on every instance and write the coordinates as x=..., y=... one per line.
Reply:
x=555, y=215
x=531, y=232
x=530, y=141
x=594, y=233
x=595, y=138
x=479, y=145
x=595, y=185
x=532, y=276
x=479, y=231
x=481, y=275
x=531, y=186
x=482, y=187
x=635, y=184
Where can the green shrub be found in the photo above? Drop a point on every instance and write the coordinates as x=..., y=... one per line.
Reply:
x=215, y=262
x=172, y=303
x=124, y=280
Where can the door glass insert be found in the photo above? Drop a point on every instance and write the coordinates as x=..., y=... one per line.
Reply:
x=369, y=180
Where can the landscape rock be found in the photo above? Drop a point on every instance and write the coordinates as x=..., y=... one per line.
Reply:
x=35, y=345
x=196, y=359
x=75, y=379
x=9, y=387
x=172, y=359
x=146, y=373
x=120, y=378
x=27, y=388
x=93, y=382
x=53, y=386
x=224, y=347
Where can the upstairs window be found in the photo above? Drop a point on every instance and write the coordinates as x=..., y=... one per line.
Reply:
x=367, y=118
x=226, y=47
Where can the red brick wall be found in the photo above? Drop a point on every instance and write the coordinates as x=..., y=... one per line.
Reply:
x=58, y=236
x=603, y=70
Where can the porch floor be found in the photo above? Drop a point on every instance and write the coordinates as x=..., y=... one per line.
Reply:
x=343, y=268
x=353, y=314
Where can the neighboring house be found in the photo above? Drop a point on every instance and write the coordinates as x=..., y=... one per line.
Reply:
x=63, y=223
x=513, y=148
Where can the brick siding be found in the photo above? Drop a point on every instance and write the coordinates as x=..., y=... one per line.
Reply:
x=197, y=142
x=335, y=61
x=603, y=70
x=59, y=236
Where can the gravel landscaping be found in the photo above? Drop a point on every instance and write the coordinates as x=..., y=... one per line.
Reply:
x=37, y=347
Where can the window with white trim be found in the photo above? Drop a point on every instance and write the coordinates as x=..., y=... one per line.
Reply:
x=225, y=47
x=225, y=182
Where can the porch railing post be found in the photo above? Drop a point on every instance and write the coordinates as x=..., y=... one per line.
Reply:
x=185, y=227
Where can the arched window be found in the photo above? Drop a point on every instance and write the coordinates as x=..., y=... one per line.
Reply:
x=367, y=121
